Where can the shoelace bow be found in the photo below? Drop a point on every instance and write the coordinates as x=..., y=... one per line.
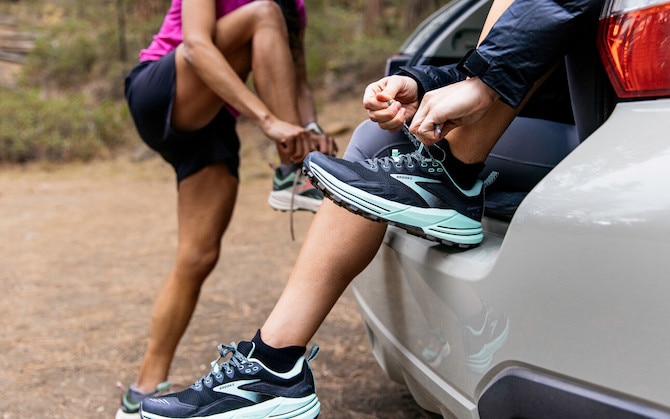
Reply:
x=237, y=360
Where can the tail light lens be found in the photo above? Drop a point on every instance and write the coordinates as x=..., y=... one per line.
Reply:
x=635, y=47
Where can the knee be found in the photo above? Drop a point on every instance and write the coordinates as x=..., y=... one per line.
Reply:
x=268, y=13
x=198, y=260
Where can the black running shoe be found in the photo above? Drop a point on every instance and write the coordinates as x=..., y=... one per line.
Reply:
x=412, y=191
x=242, y=387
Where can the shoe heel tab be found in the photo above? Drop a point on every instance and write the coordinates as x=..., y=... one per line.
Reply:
x=164, y=386
x=313, y=353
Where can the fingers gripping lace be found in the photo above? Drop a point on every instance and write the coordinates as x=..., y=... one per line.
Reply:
x=236, y=361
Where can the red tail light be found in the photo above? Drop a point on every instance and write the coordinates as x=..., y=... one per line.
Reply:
x=635, y=47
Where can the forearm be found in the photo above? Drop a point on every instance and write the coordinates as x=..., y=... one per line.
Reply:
x=219, y=76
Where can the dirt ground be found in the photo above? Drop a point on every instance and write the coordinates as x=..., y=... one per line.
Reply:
x=83, y=249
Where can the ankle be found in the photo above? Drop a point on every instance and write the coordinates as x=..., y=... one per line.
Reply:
x=148, y=386
x=464, y=174
x=277, y=359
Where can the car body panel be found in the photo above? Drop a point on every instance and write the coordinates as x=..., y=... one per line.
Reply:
x=580, y=273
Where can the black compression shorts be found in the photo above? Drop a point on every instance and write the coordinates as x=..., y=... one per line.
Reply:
x=149, y=90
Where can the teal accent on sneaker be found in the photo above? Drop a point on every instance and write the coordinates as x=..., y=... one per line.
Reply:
x=131, y=399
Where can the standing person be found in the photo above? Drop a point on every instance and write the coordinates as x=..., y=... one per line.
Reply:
x=291, y=189
x=184, y=96
x=472, y=105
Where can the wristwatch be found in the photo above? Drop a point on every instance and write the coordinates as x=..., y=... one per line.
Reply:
x=313, y=126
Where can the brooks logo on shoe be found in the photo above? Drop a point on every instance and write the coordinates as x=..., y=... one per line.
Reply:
x=412, y=182
x=234, y=390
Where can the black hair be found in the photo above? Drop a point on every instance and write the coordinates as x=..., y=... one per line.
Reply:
x=290, y=11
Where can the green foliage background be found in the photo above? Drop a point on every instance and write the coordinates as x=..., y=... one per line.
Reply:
x=68, y=103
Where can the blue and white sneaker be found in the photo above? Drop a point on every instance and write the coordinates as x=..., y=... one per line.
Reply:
x=413, y=191
x=293, y=192
x=242, y=387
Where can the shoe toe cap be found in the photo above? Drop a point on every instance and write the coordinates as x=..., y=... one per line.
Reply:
x=339, y=168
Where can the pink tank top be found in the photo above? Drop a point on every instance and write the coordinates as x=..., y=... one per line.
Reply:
x=169, y=36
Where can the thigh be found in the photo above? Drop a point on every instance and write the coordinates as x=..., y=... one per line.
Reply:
x=205, y=205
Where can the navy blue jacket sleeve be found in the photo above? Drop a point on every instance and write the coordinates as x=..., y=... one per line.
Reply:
x=432, y=77
x=530, y=37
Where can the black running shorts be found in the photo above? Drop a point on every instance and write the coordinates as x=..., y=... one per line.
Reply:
x=149, y=90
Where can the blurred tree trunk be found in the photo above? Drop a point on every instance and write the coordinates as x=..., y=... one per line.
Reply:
x=148, y=8
x=383, y=15
x=121, y=23
x=373, y=16
x=416, y=10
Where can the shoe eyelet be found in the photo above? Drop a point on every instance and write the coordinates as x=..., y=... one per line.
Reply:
x=256, y=368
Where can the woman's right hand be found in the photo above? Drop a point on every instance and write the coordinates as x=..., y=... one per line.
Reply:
x=391, y=101
x=294, y=141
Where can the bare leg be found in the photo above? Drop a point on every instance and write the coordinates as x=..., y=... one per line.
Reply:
x=322, y=272
x=205, y=206
x=249, y=40
x=472, y=143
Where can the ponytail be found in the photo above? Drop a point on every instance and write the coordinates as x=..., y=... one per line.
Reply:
x=290, y=11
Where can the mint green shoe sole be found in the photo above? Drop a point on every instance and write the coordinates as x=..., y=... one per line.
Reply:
x=441, y=225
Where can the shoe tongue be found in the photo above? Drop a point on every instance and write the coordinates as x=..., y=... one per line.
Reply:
x=245, y=348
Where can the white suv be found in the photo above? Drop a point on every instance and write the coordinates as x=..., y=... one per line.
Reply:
x=562, y=310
